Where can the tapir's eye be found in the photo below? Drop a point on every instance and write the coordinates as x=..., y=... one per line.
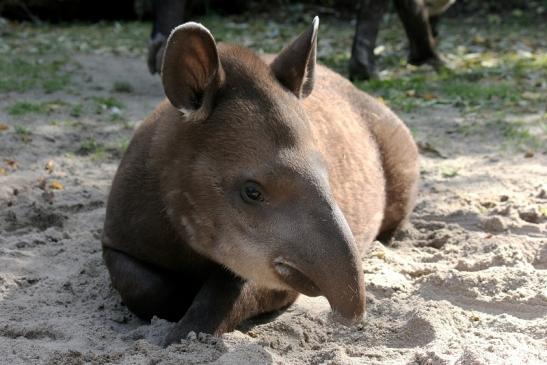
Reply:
x=251, y=192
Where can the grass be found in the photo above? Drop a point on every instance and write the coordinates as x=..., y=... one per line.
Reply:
x=76, y=110
x=23, y=133
x=448, y=172
x=103, y=103
x=20, y=74
x=523, y=135
x=91, y=147
x=25, y=107
x=495, y=68
x=39, y=56
x=122, y=87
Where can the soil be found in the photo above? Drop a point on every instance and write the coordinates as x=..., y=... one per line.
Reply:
x=463, y=283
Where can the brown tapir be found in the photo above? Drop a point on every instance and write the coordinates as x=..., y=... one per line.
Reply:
x=257, y=179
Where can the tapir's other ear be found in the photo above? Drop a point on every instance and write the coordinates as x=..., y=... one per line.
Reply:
x=191, y=71
x=294, y=67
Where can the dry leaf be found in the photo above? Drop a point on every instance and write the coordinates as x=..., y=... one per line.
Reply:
x=531, y=96
x=379, y=253
x=3, y=127
x=2, y=171
x=429, y=96
x=478, y=39
x=49, y=166
x=56, y=185
x=11, y=163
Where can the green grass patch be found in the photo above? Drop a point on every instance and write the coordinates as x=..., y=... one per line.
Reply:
x=449, y=172
x=523, y=135
x=21, y=130
x=23, y=133
x=25, y=107
x=76, y=111
x=91, y=147
x=122, y=87
x=104, y=103
x=477, y=93
x=20, y=74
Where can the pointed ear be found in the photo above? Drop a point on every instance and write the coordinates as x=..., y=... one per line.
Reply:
x=294, y=67
x=191, y=71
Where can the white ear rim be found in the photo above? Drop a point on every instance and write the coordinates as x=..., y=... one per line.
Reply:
x=188, y=113
x=187, y=25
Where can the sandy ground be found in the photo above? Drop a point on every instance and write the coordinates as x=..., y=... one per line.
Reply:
x=464, y=283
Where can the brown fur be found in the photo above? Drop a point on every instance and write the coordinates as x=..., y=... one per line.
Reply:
x=333, y=157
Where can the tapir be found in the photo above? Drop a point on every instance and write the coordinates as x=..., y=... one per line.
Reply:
x=258, y=178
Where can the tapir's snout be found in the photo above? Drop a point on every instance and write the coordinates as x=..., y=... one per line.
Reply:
x=325, y=261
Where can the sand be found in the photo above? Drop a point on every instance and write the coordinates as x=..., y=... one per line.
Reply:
x=464, y=283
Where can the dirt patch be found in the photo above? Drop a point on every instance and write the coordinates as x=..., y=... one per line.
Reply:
x=463, y=283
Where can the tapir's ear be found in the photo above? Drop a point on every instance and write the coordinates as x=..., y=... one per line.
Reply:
x=294, y=67
x=191, y=72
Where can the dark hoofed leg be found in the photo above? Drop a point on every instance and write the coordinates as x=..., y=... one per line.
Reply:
x=223, y=302
x=361, y=64
x=167, y=15
x=147, y=290
x=414, y=16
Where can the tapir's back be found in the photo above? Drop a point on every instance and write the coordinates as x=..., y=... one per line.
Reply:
x=372, y=158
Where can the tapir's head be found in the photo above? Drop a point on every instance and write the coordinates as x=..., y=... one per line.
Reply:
x=244, y=182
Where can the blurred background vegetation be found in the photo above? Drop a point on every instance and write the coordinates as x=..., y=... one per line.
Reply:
x=66, y=10
x=495, y=51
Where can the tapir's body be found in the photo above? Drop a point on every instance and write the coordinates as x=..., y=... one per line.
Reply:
x=333, y=173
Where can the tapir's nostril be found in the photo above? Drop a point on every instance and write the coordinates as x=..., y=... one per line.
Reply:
x=295, y=278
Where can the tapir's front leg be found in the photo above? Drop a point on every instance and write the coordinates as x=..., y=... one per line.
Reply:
x=223, y=302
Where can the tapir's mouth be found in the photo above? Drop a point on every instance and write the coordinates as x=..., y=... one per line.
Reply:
x=295, y=278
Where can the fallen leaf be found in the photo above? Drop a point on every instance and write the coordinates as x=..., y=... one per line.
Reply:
x=11, y=163
x=41, y=183
x=426, y=147
x=49, y=166
x=492, y=62
x=379, y=253
x=429, y=96
x=449, y=172
x=474, y=318
x=2, y=171
x=3, y=127
x=478, y=39
x=531, y=96
x=56, y=185
x=411, y=92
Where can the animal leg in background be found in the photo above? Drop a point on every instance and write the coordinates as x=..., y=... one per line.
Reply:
x=415, y=19
x=361, y=64
x=167, y=15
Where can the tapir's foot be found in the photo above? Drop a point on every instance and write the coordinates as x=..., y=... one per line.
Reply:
x=146, y=290
x=386, y=237
x=223, y=302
